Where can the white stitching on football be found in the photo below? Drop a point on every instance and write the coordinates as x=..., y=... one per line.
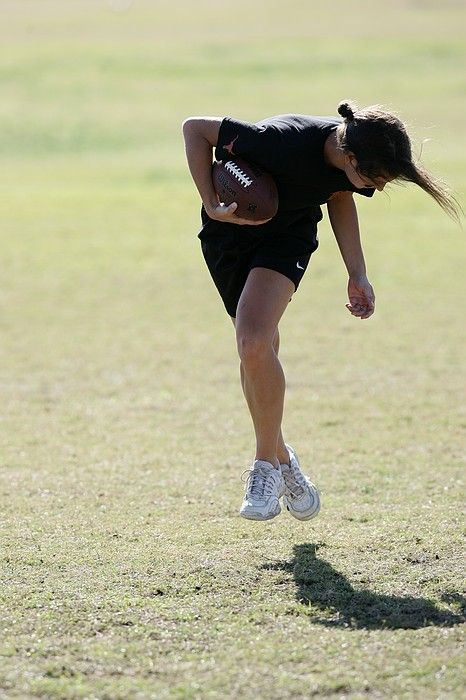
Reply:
x=239, y=174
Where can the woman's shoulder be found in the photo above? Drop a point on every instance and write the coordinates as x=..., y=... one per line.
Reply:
x=300, y=122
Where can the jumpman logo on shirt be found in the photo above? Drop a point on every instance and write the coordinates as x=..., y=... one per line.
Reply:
x=229, y=147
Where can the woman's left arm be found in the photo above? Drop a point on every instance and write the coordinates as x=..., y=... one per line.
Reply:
x=344, y=220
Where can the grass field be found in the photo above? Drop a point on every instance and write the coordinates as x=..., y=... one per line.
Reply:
x=126, y=570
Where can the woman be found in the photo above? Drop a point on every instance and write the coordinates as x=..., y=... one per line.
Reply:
x=258, y=267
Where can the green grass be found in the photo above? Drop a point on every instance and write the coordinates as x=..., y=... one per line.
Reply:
x=126, y=570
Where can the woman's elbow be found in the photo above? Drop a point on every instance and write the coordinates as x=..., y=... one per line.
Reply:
x=206, y=128
x=187, y=125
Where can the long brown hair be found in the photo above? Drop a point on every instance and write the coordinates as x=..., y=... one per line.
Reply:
x=382, y=147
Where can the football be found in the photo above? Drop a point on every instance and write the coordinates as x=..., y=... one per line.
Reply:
x=254, y=190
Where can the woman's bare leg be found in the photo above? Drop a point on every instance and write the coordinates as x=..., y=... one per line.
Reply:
x=264, y=299
x=282, y=452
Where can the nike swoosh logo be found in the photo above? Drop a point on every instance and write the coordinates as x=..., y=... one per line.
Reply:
x=300, y=267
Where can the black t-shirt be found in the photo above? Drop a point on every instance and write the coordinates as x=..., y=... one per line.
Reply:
x=291, y=148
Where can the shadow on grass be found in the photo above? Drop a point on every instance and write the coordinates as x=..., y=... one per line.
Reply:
x=323, y=589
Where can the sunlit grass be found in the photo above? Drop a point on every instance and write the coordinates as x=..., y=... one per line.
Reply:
x=127, y=571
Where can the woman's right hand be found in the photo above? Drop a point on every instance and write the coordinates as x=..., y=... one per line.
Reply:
x=225, y=213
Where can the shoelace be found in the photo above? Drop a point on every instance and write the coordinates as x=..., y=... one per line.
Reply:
x=294, y=480
x=260, y=482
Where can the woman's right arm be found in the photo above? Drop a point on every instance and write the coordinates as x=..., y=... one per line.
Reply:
x=201, y=136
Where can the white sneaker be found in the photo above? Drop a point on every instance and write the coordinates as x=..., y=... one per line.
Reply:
x=264, y=487
x=301, y=496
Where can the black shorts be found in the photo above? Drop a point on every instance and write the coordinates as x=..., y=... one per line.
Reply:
x=284, y=244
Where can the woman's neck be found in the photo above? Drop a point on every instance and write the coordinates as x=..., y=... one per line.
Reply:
x=333, y=156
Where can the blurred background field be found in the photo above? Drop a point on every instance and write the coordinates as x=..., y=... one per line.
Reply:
x=126, y=570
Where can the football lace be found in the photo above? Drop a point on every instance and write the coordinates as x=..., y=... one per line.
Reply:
x=239, y=174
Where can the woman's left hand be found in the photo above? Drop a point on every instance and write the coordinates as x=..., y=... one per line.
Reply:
x=361, y=296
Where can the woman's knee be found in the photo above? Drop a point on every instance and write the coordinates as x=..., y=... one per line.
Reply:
x=253, y=345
